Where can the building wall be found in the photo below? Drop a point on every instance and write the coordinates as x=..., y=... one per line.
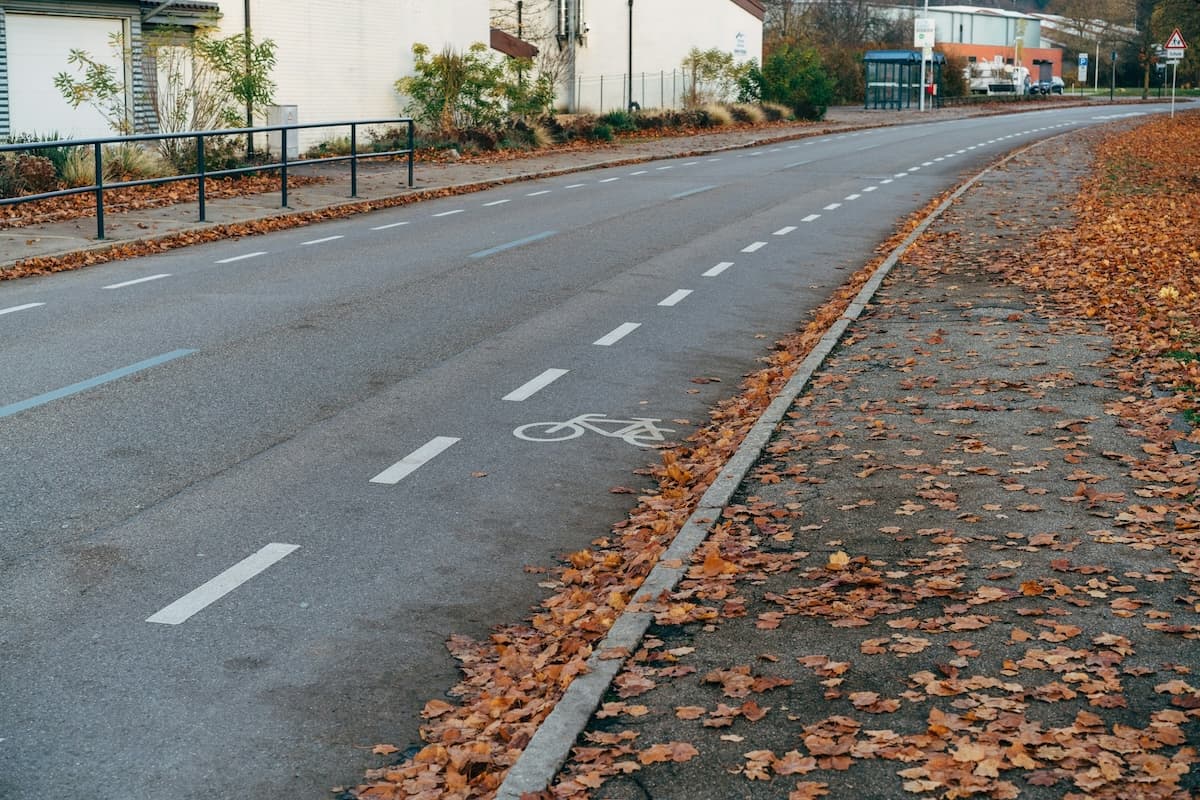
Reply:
x=35, y=40
x=339, y=59
x=664, y=31
x=989, y=53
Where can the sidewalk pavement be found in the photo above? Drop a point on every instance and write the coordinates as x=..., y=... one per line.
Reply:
x=954, y=571
x=385, y=183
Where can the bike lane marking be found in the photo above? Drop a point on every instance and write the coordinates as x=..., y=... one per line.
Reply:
x=212, y=591
x=617, y=334
x=14, y=309
x=414, y=460
x=491, y=251
x=717, y=270
x=675, y=297
x=534, y=386
x=754, y=248
x=91, y=383
x=785, y=230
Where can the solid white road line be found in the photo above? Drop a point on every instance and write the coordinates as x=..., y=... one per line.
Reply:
x=450, y=213
x=534, y=386
x=321, y=241
x=617, y=334
x=811, y=218
x=139, y=280
x=389, y=225
x=784, y=231
x=496, y=203
x=242, y=257
x=754, y=248
x=718, y=269
x=674, y=297
x=223, y=584
x=14, y=309
x=414, y=460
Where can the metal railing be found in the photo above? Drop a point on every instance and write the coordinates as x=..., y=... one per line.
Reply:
x=201, y=175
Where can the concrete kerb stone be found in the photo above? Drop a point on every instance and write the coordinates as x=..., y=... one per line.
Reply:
x=551, y=744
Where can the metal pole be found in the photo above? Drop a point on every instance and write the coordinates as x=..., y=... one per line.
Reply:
x=1174, y=69
x=283, y=167
x=1112, y=81
x=923, y=63
x=200, y=171
x=98, y=159
x=411, y=126
x=353, y=160
x=249, y=103
x=520, y=35
x=1096, y=77
x=630, y=106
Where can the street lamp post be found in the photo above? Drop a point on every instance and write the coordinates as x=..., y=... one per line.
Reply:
x=630, y=106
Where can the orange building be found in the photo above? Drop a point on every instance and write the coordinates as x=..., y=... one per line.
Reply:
x=1018, y=56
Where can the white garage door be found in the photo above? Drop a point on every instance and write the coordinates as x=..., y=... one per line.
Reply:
x=38, y=46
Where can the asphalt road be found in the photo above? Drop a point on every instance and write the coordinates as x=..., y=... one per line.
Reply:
x=250, y=488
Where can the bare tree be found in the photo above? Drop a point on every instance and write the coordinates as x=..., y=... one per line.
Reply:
x=536, y=22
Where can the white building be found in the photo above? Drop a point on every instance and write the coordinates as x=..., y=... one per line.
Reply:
x=595, y=42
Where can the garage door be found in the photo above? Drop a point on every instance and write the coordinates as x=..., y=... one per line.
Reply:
x=38, y=46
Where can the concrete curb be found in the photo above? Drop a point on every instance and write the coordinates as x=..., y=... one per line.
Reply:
x=551, y=744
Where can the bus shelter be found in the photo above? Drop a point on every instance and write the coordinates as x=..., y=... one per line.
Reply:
x=894, y=79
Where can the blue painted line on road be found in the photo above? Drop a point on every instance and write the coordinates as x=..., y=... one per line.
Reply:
x=91, y=383
x=691, y=192
x=491, y=251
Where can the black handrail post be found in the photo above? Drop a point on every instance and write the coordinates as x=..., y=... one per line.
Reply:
x=353, y=160
x=283, y=165
x=99, y=163
x=200, y=171
x=410, y=154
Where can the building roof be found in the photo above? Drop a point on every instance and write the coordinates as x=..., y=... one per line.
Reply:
x=755, y=7
x=512, y=46
x=179, y=12
x=984, y=12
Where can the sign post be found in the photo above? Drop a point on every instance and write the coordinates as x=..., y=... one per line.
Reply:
x=1175, y=48
x=1083, y=65
x=923, y=34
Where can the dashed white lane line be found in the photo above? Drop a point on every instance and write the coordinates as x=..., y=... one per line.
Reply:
x=674, y=298
x=690, y=163
x=870, y=189
x=784, y=231
x=497, y=203
x=900, y=175
x=203, y=596
x=914, y=169
x=393, y=225
x=852, y=196
x=242, y=257
x=414, y=460
x=123, y=284
x=575, y=186
x=712, y=160
x=811, y=218
x=617, y=334
x=660, y=169
x=833, y=206
x=690, y=192
x=450, y=213
x=795, y=164
x=15, y=309
x=534, y=386
x=718, y=269
x=609, y=180
x=491, y=251
x=639, y=172
x=886, y=181
x=538, y=194
x=754, y=248
x=926, y=163
x=322, y=240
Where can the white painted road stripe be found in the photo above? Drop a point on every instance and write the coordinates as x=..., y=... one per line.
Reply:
x=131, y=283
x=811, y=218
x=414, y=460
x=639, y=172
x=852, y=196
x=870, y=189
x=617, y=334
x=223, y=584
x=754, y=248
x=691, y=192
x=575, y=186
x=536, y=385
x=496, y=203
x=785, y=230
x=674, y=297
x=833, y=206
x=538, y=194
x=609, y=180
x=450, y=213
x=537, y=237
x=321, y=241
x=795, y=164
x=718, y=269
x=660, y=169
x=389, y=225
x=14, y=309
x=242, y=257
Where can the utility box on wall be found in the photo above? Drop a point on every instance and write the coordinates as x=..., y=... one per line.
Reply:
x=283, y=115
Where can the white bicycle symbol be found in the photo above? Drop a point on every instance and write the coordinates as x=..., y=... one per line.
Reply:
x=639, y=431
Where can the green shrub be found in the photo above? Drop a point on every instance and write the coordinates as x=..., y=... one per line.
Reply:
x=602, y=132
x=26, y=174
x=620, y=121
x=388, y=139
x=715, y=76
x=793, y=76
x=79, y=168
x=337, y=146
x=127, y=161
x=57, y=155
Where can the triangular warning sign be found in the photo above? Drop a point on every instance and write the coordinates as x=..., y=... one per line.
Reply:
x=1176, y=41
